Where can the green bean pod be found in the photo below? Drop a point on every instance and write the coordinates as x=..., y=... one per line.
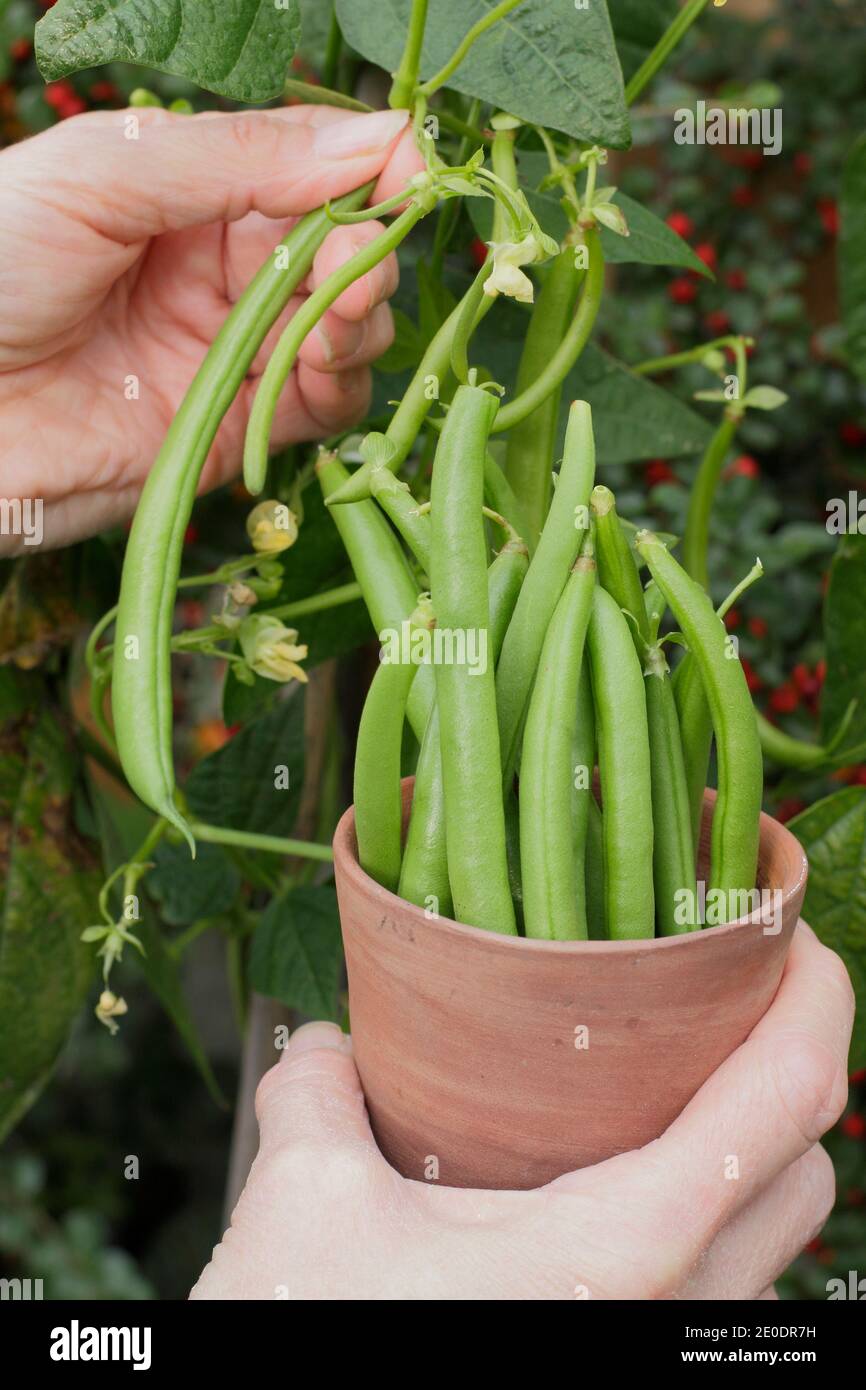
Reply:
x=673, y=843
x=141, y=683
x=424, y=873
x=499, y=495
x=548, y=573
x=696, y=537
x=736, y=816
x=595, y=870
x=532, y=442
x=401, y=509
x=377, y=796
x=382, y=570
x=624, y=769
x=475, y=821
x=283, y=357
x=552, y=849
x=696, y=735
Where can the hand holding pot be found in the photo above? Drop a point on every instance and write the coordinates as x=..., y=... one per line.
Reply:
x=122, y=257
x=716, y=1208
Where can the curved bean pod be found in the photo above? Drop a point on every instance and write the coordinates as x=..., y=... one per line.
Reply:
x=424, y=874
x=475, y=822
x=551, y=847
x=382, y=570
x=303, y=322
x=378, y=802
x=674, y=842
x=624, y=769
x=548, y=572
x=736, y=817
x=141, y=683
x=401, y=509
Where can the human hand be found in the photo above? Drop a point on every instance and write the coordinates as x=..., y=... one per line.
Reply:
x=122, y=258
x=323, y=1216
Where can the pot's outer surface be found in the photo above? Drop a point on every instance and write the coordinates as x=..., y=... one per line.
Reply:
x=509, y=1061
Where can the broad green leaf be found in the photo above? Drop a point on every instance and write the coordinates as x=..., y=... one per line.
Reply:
x=650, y=240
x=241, y=784
x=833, y=834
x=188, y=889
x=240, y=49
x=163, y=974
x=637, y=27
x=546, y=62
x=764, y=398
x=852, y=261
x=845, y=636
x=297, y=953
x=49, y=882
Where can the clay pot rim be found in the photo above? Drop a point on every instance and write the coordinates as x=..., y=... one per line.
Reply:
x=345, y=851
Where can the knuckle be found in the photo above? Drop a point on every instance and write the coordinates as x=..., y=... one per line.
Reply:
x=249, y=130
x=818, y=1178
x=810, y=1082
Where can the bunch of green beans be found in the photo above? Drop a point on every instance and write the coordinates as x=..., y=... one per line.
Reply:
x=553, y=792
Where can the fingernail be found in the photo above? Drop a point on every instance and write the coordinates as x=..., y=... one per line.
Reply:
x=362, y=134
x=325, y=342
x=311, y=1036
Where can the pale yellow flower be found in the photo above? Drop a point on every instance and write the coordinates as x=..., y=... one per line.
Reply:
x=272, y=650
x=272, y=527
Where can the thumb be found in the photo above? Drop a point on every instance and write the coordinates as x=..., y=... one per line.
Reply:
x=313, y=1095
x=130, y=175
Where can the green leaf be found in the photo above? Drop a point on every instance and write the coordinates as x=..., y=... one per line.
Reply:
x=297, y=952
x=188, y=889
x=764, y=398
x=163, y=974
x=650, y=241
x=49, y=882
x=845, y=636
x=852, y=262
x=833, y=834
x=546, y=62
x=240, y=49
x=235, y=786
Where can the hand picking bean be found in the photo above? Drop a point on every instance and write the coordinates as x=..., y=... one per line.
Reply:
x=141, y=682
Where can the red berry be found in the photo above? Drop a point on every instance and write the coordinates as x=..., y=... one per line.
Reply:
x=735, y=280
x=788, y=809
x=706, y=252
x=758, y=627
x=852, y=434
x=821, y=672
x=854, y=1126
x=785, y=698
x=733, y=619
x=753, y=680
x=190, y=535
x=233, y=729
x=478, y=251
x=743, y=196
x=805, y=681
x=192, y=613
x=20, y=49
x=681, y=223
x=104, y=91
x=802, y=164
x=828, y=212
x=717, y=321
x=743, y=467
x=752, y=159
x=58, y=93
x=658, y=471
x=815, y=1246
x=73, y=106
x=857, y=1077
x=682, y=291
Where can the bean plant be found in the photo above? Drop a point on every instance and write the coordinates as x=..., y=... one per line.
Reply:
x=560, y=777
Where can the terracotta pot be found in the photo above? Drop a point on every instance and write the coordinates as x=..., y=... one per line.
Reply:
x=471, y=1046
